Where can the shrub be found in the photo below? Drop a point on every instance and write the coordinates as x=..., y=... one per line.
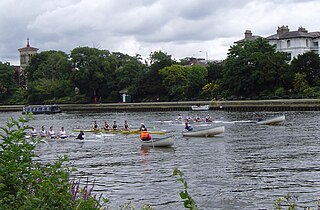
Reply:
x=29, y=184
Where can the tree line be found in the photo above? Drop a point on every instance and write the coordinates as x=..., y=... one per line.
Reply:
x=252, y=70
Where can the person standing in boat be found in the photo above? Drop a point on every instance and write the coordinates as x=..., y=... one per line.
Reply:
x=144, y=135
x=114, y=125
x=33, y=132
x=125, y=125
x=106, y=126
x=51, y=133
x=63, y=133
x=43, y=132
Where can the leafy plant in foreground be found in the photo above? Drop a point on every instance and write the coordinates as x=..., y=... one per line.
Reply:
x=184, y=195
x=26, y=183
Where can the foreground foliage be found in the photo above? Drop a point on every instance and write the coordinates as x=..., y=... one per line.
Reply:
x=26, y=183
x=188, y=201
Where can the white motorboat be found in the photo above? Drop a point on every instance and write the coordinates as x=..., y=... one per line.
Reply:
x=200, y=108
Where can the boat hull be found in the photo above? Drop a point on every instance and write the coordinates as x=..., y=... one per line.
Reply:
x=205, y=133
x=158, y=142
x=272, y=121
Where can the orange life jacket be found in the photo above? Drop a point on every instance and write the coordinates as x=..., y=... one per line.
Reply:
x=144, y=135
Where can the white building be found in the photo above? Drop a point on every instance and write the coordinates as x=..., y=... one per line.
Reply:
x=292, y=42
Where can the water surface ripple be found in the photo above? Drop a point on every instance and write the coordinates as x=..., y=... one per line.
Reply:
x=248, y=167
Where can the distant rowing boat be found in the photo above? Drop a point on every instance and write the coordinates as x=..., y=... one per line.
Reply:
x=118, y=131
x=272, y=121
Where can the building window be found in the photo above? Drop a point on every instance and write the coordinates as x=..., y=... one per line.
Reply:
x=288, y=43
x=307, y=43
x=23, y=59
x=315, y=44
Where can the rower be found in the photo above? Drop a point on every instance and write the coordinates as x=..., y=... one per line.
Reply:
x=142, y=126
x=208, y=118
x=106, y=126
x=144, y=135
x=43, y=132
x=51, y=133
x=80, y=135
x=33, y=132
x=125, y=125
x=188, y=127
x=114, y=125
x=95, y=125
x=63, y=133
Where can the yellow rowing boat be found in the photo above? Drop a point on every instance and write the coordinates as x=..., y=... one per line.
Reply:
x=118, y=131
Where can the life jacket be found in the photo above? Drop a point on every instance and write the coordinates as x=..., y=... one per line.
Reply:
x=144, y=135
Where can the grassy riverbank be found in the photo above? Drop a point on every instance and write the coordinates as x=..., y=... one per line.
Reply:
x=245, y=105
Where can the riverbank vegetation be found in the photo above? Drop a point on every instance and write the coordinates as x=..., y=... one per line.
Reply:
x=252, y=70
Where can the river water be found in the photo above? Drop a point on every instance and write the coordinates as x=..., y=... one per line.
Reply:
x=248, y=167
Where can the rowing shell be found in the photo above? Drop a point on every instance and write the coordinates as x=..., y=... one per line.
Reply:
x=119, y=131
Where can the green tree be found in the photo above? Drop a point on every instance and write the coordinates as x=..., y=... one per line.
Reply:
x=300, y=83
x=196, y=77
x=211, y=90
x=49, y=77
x=48, y=91
x=128, y=74
x=215, y=71
x=183, y=82
x=308, y=64
x=252, y=67
x=150, y=83
x=7, y=83
x=51, y=65
x=93, y=72
x=175, y=81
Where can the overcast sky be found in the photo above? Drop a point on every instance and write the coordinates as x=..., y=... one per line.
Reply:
x=181, y=28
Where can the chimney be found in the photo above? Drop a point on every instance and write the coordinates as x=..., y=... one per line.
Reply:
x=282, y=29
x=247, y=35
x=302, y=29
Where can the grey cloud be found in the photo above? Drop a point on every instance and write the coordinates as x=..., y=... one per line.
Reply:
x=142, y=25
